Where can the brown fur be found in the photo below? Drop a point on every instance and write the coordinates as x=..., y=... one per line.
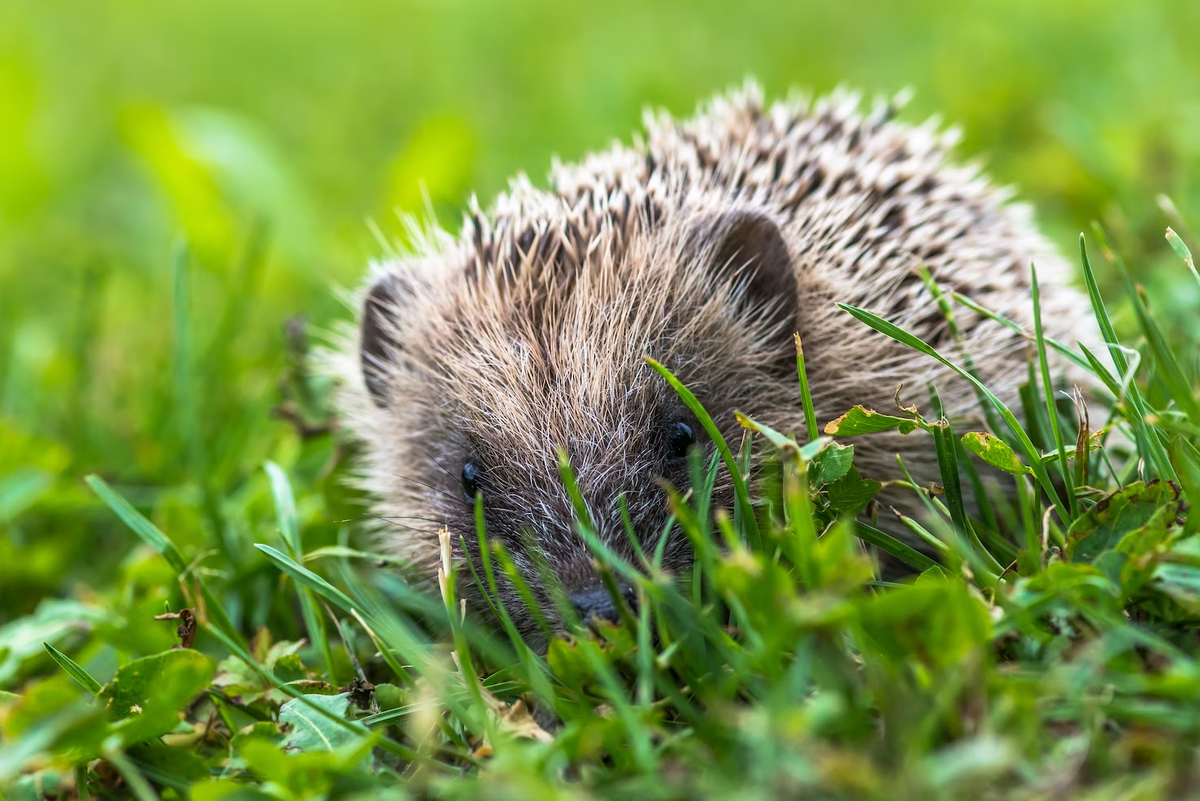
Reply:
x=526, y=334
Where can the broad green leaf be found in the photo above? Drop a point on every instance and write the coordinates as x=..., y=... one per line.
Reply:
x=53, y=621
x=312, y=732
x=1181, y=583
x=50, y=717
x=146, y=696
x=851, y=493
x=568, y=664
x=995, y=452
x=389, y=696
x=166, y=766
x=832, y=463
x=861, y=420
x=1118, y=514
x=937, y=621
x=228, y=790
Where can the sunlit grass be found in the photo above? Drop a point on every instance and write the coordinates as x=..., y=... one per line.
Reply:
x=1050, y=648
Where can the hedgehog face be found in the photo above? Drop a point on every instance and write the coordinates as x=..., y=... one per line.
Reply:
x=480, y=378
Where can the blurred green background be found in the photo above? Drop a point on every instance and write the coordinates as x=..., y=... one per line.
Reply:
x=276, y=139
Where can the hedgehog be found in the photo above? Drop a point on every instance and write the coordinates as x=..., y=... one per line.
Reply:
x=706, y=245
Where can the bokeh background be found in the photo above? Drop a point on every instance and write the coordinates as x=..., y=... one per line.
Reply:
x=184, y=187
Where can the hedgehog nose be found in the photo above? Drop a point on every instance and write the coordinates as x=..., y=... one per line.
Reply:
x=597, y=603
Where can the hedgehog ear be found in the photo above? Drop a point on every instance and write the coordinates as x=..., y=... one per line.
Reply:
x=747, y=247
x=378, y=345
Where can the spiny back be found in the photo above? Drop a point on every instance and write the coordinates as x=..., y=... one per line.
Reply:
x=704, y=246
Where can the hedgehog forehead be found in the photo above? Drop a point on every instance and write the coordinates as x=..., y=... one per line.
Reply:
x=524, y=358
x=547, y=356
x=565, y=363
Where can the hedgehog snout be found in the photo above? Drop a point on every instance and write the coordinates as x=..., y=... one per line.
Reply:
x=596, y=602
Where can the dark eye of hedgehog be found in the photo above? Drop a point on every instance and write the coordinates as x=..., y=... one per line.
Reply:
x=679, y=439
x=470, y=482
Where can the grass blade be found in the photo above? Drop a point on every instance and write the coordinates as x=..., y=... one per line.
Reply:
x=1148, y=437
x=735, y=473
x=285, y=508
x=308, y=578
x=138, y=523
x=810, y=414
x=73, y=669
x=1182, y=250
x=1031, y=453
x=1048, y=389
x=886, y=542
x=1179, y=388
x=947, y=456
x=289, y=529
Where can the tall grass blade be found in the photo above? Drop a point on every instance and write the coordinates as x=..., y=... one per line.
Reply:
x=1031, y=453
x=289, y=529
x=810, y=414
x=1147, y=435
x=739, y=484
x=131, y=517
x=1048, y=389
x=889, y=544
x=1178, y=386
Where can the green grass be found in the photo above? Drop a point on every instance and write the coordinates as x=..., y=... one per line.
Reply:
x=1053, y=655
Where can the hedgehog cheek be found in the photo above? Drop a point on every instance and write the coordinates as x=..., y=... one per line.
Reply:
x=747, y=247
x=378, y=345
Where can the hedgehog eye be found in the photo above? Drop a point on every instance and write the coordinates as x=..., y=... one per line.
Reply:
x=470, y=482
x=679, y=439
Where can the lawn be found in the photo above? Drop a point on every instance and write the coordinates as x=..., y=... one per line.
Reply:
x=186, y=190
